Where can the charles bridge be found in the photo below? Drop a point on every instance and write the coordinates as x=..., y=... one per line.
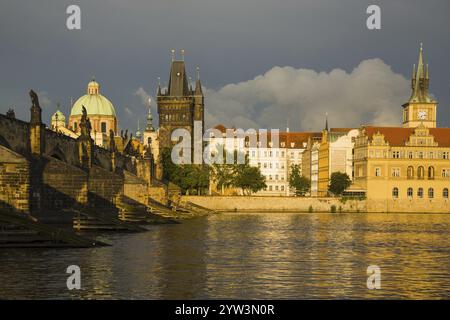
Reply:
x=52, y=185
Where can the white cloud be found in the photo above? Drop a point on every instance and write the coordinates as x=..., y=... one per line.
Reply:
x=141, y=93
x=371, y=94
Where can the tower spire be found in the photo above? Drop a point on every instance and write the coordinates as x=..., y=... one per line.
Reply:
x=420, y=80
x=149, y=126
x=158, y=90
x=198, y=85
x=326, y=121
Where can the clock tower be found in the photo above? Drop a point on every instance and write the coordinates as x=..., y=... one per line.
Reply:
x=421, y=107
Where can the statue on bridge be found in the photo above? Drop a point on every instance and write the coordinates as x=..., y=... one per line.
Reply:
x=85, y=123
x=35, y=109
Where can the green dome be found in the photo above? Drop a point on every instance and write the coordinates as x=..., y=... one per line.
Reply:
x=61, y=116
x=94, y=102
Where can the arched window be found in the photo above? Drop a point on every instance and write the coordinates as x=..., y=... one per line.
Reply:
x=420, y=172
x=445, y=193
x=410, y=172
x=410, y=192
x=431, y=193
x=395, y=193
x=420, y=192
x=430, y=172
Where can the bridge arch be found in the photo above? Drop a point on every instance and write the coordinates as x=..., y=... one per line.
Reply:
x=57, y=154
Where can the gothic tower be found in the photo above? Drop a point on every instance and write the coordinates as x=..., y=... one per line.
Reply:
x=421, y=107
x=179, y=106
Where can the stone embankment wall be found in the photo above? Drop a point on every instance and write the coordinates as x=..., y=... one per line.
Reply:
x=278, y=204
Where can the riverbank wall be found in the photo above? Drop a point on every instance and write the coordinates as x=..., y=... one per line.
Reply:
x=278, y=204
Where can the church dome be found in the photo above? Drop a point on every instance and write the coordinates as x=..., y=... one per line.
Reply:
x=94, y=102
x=58, y=116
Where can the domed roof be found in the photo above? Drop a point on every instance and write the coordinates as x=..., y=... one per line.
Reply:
x=94, y=102
x=58, y=115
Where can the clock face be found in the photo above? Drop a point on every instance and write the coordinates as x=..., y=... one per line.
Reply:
x=422, y=114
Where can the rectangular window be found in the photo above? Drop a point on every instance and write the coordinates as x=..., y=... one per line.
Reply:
x=445, y=173
x=377, y=172
x=103, y=127
x=396, y=172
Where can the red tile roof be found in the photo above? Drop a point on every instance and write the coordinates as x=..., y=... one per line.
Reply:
x=397, y=136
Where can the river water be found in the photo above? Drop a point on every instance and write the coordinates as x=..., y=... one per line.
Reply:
x=248, y=256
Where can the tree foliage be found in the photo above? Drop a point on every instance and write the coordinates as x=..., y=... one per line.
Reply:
x=299, y=183
x=339, y=181
x=195, y=178
x=191, y=178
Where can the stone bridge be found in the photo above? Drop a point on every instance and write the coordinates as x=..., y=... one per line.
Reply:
x=56, y=178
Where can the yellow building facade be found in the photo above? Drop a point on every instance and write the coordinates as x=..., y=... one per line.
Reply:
x=406, y=169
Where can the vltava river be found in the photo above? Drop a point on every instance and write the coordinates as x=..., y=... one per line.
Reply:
x=277, y=255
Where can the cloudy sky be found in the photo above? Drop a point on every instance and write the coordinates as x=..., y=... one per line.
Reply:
x=264, y=63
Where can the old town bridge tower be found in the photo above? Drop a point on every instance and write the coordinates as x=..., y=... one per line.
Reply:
x=179, y=106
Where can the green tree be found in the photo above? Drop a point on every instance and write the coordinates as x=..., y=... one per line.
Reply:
x=191, y=178
x=339, y=181
x=248, y=178
x=299, y=183
x=223, y=176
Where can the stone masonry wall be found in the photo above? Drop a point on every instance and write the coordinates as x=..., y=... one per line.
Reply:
x=65, y=186
x=14, y=181
x=280, y=204
x=105, y=188
x=135, y=188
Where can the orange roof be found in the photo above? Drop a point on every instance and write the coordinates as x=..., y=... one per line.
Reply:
x=292, y=140
x=221, y=128
x=397, y=136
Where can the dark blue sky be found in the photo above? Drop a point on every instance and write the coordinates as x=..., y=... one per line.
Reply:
x=126, y=45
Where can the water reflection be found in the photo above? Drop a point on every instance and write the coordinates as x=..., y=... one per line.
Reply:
x=248, y=256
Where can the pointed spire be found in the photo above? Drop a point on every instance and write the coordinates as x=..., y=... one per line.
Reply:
x=182, y=54
x=158, y=91
x=198, y=84
x=420, y=81
x=149, y=126
x=326, y=121
x=173, y=54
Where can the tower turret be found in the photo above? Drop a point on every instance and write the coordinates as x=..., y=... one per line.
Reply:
x=421, y=107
